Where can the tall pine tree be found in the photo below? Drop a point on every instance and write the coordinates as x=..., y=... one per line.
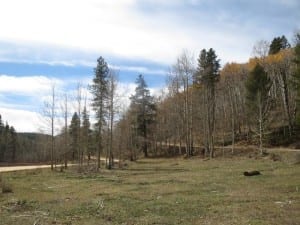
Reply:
x=74, y=135
x=207, y=75
x=142, y=104
x=99, y=90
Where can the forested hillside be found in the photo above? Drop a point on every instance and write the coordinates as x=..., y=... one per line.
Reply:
x=252, y=103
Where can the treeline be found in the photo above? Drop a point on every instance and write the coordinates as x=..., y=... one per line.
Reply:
x=22, y=147
x=204, y=106
x=256, y=102
x=8, y=142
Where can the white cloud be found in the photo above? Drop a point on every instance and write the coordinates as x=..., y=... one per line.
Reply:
x=33, y=120
x=139, y=69
x=29, y=121
x=113, y=28
x=159, y=93
x=21, y=120
x=26, y=115
x=88, y=24
x=27, y=85
x=22, y=100
x=123, y=92
x=73, y=32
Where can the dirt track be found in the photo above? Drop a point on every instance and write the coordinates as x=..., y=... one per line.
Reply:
x=16, y=168
x=32, y=167
x=282, y=150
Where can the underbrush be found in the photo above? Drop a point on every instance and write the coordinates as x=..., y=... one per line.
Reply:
x=286, y=157
x=281, y=137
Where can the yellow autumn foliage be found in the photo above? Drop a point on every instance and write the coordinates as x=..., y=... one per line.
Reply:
x=279, y=57
x=232, y=71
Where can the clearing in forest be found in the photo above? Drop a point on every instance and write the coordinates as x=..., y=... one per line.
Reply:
x=156, y=191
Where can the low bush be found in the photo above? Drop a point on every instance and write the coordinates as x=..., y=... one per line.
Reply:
x=5, y=186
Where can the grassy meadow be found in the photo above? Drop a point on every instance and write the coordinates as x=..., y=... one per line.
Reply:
x=156, y=191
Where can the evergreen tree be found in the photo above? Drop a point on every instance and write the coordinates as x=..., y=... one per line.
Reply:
x=208, y=74
x=12, y=145
x=86, y=132
x=1, y=125
x=8, y=142
x=99, y=90
x=278, y=44
x=2, y=145
x=74, y=133
x=258, y=98
x=208, y=68
x=142, y=104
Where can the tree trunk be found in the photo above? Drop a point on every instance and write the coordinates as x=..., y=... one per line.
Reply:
x=100, y=139
x=287, y=104
x=232, y=121
x=52, y=126
x=260, y=120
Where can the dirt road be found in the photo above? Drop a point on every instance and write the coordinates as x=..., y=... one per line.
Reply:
x=16, y=168
x=32, y=167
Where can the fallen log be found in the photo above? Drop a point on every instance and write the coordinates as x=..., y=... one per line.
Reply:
x=252, y=173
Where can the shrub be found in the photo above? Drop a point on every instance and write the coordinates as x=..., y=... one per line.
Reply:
x=5, y=186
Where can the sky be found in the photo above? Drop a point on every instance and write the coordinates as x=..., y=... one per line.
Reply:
x=43, y=42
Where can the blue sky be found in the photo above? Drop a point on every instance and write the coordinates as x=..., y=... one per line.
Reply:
x=60, y=40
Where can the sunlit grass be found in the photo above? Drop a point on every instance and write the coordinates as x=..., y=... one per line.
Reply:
x=157, y=191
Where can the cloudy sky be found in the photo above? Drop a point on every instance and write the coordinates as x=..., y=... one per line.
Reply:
x=46, y=41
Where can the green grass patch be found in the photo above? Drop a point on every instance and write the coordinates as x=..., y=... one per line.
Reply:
x=157, y=191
